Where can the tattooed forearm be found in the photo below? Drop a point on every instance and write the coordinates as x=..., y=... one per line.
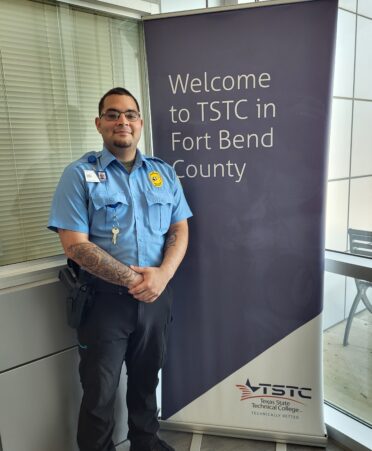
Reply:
x=171, y=240
x=99, y=263
x=175, y=247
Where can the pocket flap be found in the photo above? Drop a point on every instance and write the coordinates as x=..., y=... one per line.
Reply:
x=112, y=200
x=158, y=197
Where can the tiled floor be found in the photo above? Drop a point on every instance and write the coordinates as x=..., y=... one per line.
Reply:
x=347, y=369
x=181, y=441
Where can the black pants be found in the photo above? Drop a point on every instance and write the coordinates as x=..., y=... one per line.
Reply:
x=119, y=328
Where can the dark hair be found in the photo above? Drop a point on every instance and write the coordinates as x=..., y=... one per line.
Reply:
x=117, y=91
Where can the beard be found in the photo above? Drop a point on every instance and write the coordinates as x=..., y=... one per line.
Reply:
x=122, y=143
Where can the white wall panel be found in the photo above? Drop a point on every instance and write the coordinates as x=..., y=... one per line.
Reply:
x=39, y=405
x=361, y=163
x=360, y=203
x=181, y=5
x=348, y=4
x=344, y=60
x=363, y=69
x=340, y=137
x=365, y=7
x=336, y=215
x=33, y=323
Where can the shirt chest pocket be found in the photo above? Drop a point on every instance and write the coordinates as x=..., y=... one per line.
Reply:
x=159, y=210
x=109, y=200
x=109, y=206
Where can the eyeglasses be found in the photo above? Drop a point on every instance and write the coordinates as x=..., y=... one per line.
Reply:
x=114, y=115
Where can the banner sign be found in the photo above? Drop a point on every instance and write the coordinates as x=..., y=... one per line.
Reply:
x=240, y=104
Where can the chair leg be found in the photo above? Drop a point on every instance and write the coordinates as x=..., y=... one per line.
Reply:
x=366, y=301
x=350, y=318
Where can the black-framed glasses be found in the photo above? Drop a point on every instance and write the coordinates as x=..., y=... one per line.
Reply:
x=113, y=115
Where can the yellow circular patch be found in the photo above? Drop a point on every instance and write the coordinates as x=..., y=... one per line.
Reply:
x=156, y=179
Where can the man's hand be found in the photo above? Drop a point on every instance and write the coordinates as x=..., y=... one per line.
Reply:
x=154, y=282
x=138, y=278
x=155, y=279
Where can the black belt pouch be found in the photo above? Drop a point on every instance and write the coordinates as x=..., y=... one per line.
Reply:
x=79, y=296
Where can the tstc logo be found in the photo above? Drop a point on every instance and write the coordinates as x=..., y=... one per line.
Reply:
x=289, y=392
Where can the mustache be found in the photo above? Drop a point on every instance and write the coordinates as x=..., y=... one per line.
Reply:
x=123, y=128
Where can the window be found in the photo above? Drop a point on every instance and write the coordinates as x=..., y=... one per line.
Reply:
x=347, y=366
x=55, y=64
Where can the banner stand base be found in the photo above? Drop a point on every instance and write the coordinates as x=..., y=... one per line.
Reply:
x=246, y=433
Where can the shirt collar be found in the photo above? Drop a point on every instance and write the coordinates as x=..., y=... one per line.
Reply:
x=107, y=158
x=140, y=160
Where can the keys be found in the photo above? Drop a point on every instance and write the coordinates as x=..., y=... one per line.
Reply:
x=115, y=232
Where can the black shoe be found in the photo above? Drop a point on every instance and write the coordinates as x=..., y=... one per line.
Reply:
x=155, y=445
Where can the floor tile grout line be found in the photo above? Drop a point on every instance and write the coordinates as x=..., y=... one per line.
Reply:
x=196, y=442
x=281, y=447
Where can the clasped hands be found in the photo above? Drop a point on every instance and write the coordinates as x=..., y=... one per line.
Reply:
x=149, y=284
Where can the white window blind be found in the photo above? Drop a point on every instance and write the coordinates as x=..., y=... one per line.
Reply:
x=55, y=64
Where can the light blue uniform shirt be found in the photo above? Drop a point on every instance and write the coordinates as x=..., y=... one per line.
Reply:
x=142, y=204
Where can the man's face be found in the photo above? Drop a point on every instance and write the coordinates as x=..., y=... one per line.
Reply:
x=120, y=136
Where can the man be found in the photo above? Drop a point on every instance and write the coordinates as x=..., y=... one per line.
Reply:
x=122, y=217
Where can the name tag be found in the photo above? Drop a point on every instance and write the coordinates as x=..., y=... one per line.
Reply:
x=91, y=176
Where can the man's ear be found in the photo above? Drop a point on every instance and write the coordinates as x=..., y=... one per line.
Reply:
x=98, y=124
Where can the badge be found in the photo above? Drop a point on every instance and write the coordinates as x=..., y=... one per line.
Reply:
x=156, y=179
x=102, y=176
x=91, y=176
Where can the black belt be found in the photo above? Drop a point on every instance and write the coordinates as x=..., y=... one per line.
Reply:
x=106, y=287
